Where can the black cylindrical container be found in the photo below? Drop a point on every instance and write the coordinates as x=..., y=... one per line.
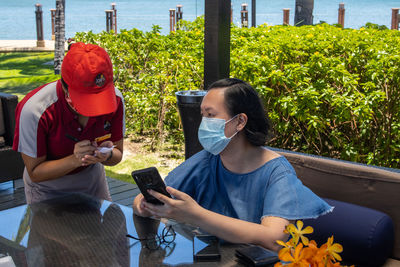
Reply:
x=189, y=110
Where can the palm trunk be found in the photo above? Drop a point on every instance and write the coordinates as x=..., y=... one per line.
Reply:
x=59, y=31
x=304, y=12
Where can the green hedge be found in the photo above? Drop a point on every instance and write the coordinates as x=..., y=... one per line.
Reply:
x=328, y=91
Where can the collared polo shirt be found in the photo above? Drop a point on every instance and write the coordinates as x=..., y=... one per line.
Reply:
x=43, y=121
x=43, y=118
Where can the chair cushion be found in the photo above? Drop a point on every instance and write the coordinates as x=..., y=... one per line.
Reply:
x=369, y=186
x=367, y=235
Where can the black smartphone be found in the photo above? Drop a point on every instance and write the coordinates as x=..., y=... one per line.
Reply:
x=206, y=248
x=150, y=178
x=256, y=256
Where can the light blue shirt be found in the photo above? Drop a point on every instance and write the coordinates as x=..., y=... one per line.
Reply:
x=271, y=190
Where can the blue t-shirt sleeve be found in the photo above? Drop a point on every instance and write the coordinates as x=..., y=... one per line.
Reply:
x=288, y=198
x=190, y=174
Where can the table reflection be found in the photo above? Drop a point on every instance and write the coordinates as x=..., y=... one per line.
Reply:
x=72, y=231
x=147, y=231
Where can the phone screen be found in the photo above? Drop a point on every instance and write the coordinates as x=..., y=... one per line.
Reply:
x=206, y=248
x=149, y=178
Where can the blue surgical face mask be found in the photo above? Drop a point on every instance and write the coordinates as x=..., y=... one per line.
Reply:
x=212, y=134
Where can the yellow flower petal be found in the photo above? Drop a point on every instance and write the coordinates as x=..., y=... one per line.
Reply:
x=299, y=224
x=308, y=230
x=337, y=248
x=295, y=240
x=291, y=228
x=283, y=244
x=304, y=240
x=336, y=256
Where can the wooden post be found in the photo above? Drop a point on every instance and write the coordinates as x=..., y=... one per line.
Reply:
x=53, y=19
x=341, y=14
x=286, y=15
x=244, y=16
x=179, y=15
x=217, y=34
x=115, y=16
x=39, y=26
x=253, y=13
x=304, y=12
x=109, y=20
x=395, y=19
x=171, y=19
x=231, y=13
x=59, y=32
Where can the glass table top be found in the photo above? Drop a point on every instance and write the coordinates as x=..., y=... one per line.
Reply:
x=78, y=230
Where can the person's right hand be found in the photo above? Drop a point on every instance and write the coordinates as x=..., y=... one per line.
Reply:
x=138, y=206
x=81, y=149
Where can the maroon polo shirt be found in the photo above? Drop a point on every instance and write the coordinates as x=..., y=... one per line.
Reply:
x=44, y=119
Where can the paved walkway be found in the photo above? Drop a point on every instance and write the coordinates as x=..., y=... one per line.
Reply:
x=26, y=46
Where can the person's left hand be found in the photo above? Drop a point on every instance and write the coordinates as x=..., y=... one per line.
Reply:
x=182, y=209
x=97, y=157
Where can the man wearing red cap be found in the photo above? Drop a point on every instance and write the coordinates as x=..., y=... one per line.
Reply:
x=68, y=129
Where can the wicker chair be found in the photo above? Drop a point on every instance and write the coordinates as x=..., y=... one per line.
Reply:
x=11, y=164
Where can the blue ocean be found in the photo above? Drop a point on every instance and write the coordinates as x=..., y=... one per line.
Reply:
x=17, y=17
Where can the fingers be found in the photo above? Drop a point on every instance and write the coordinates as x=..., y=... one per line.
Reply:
x=163, y=198
x=176, y=193
x=154, y=210
x=83, y=143
x=90, y=159
x=139, y=208
x=83, y=148
x=107, y=144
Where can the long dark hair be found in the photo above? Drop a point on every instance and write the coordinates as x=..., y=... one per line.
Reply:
x=240, y=97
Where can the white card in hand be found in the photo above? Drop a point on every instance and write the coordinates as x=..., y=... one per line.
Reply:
x=105, y=150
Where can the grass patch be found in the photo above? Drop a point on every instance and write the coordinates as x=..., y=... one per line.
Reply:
x=137, y=155
x=22, y=72
x=122, y=171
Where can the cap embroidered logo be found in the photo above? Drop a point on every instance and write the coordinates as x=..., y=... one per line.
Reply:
x=100, y=80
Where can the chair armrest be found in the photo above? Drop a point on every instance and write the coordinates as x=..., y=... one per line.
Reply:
x=9, y=103
x=367, y=235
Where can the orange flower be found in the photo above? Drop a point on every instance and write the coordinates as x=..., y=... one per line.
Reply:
x=286, y=247
x=333, y=249
x=296, y=259
x=311, y=252
x=306, y=253
x=298, y=233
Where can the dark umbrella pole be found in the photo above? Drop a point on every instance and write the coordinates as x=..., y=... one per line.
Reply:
x=189, y=110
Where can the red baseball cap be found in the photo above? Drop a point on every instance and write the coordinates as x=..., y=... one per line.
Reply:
x=88, y=72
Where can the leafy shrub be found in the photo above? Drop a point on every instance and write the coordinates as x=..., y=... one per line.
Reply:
x=328, y=91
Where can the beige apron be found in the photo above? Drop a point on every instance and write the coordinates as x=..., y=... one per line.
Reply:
x=91, y=181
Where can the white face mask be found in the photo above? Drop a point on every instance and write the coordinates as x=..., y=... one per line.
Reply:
x=212, y=134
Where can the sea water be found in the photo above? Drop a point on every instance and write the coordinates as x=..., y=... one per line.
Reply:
x=17, y=17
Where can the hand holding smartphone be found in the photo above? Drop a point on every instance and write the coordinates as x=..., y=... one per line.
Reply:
x=150, y=178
